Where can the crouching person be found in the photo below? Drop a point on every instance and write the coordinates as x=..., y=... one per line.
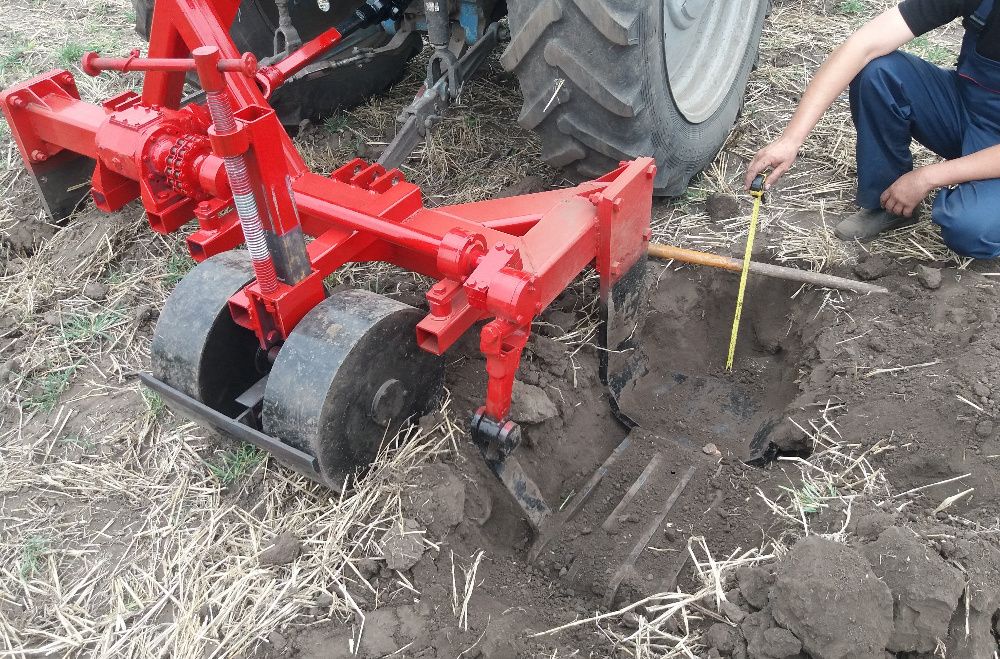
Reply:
x=896, y=98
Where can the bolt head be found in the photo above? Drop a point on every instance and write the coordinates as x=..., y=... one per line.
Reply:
x=500, y=247
x=17, y=102
x=39, y=156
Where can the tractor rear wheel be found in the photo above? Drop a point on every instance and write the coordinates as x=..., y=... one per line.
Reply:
x=609, y=80
x=319, y=95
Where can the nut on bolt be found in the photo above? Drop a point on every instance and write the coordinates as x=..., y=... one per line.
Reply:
x=17, y=102
x=39, y=156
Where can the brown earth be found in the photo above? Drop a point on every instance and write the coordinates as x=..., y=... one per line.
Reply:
x=896, y=578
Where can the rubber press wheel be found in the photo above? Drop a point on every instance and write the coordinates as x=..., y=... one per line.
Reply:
x=349, y=376
x=197, y=348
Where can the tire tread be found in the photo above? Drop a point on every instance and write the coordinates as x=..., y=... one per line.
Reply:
x=614, y=102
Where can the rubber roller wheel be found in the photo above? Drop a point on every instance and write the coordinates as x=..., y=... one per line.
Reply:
x=348, y=378
x=197, y=348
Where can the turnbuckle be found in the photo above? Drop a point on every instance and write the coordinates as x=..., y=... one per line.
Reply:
x=94, y=63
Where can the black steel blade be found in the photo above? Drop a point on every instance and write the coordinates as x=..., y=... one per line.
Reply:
x=623, y=313
x=207, y=417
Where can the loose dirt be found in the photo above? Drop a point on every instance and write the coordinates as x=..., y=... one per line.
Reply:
x=888, y=577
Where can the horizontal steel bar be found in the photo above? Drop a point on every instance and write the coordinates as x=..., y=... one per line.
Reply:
x=206, y=416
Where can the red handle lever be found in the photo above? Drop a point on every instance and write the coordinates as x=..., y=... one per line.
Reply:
x=93, y=64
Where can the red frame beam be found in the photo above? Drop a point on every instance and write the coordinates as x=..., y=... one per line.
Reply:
x=504, y=259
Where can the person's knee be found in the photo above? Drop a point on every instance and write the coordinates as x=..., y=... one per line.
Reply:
x=969, y=230
x=878, y=71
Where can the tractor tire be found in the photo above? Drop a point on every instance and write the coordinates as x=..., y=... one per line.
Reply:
x=319, y=96
x=611, y=80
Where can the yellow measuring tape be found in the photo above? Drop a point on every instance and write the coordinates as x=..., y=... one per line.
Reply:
x=757, y=192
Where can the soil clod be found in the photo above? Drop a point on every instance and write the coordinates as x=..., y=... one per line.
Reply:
x=720, y=207
x=95, y=291
x=827, y=595
x=755, y=584
x=438, y=501
x=873, y=267
x=775, y=643
x=530, y=404
x=924, y=588
x=285, y=549
x=722, y=637
x=929, y=278
x=402, y=545
x=972, y=627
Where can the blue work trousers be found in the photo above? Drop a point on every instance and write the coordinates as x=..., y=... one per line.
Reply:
x=898, y=98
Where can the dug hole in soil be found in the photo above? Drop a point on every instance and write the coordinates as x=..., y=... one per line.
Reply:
x=905, y=381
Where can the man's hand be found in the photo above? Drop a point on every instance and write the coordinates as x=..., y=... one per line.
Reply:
x=906, y=193
x=778, y=156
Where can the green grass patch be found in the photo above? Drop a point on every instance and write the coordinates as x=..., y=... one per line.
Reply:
x=812, y=496
x=91, y=326
x=71, y=53
x=695, y=193
x=32, y=554
x=336, y=124
x=15, y=51
x=178, y=265
x=232, y=466
x=49, y=388
x=75, y=440
x=934, y=53
x=852, y=7
x=154, y=403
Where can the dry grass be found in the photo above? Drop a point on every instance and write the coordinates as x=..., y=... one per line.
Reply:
x=143, y=551
x=836, y=474
x=666, y=625
x=471, y=155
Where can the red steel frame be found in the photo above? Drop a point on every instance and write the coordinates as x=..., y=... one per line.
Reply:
x=504, y=259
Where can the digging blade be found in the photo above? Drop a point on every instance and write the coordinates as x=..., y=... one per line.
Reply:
x=526, y=494
x=62, y=182
x=623, y=362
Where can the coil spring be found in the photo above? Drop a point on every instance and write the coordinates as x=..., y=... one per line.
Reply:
x=243, y=198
